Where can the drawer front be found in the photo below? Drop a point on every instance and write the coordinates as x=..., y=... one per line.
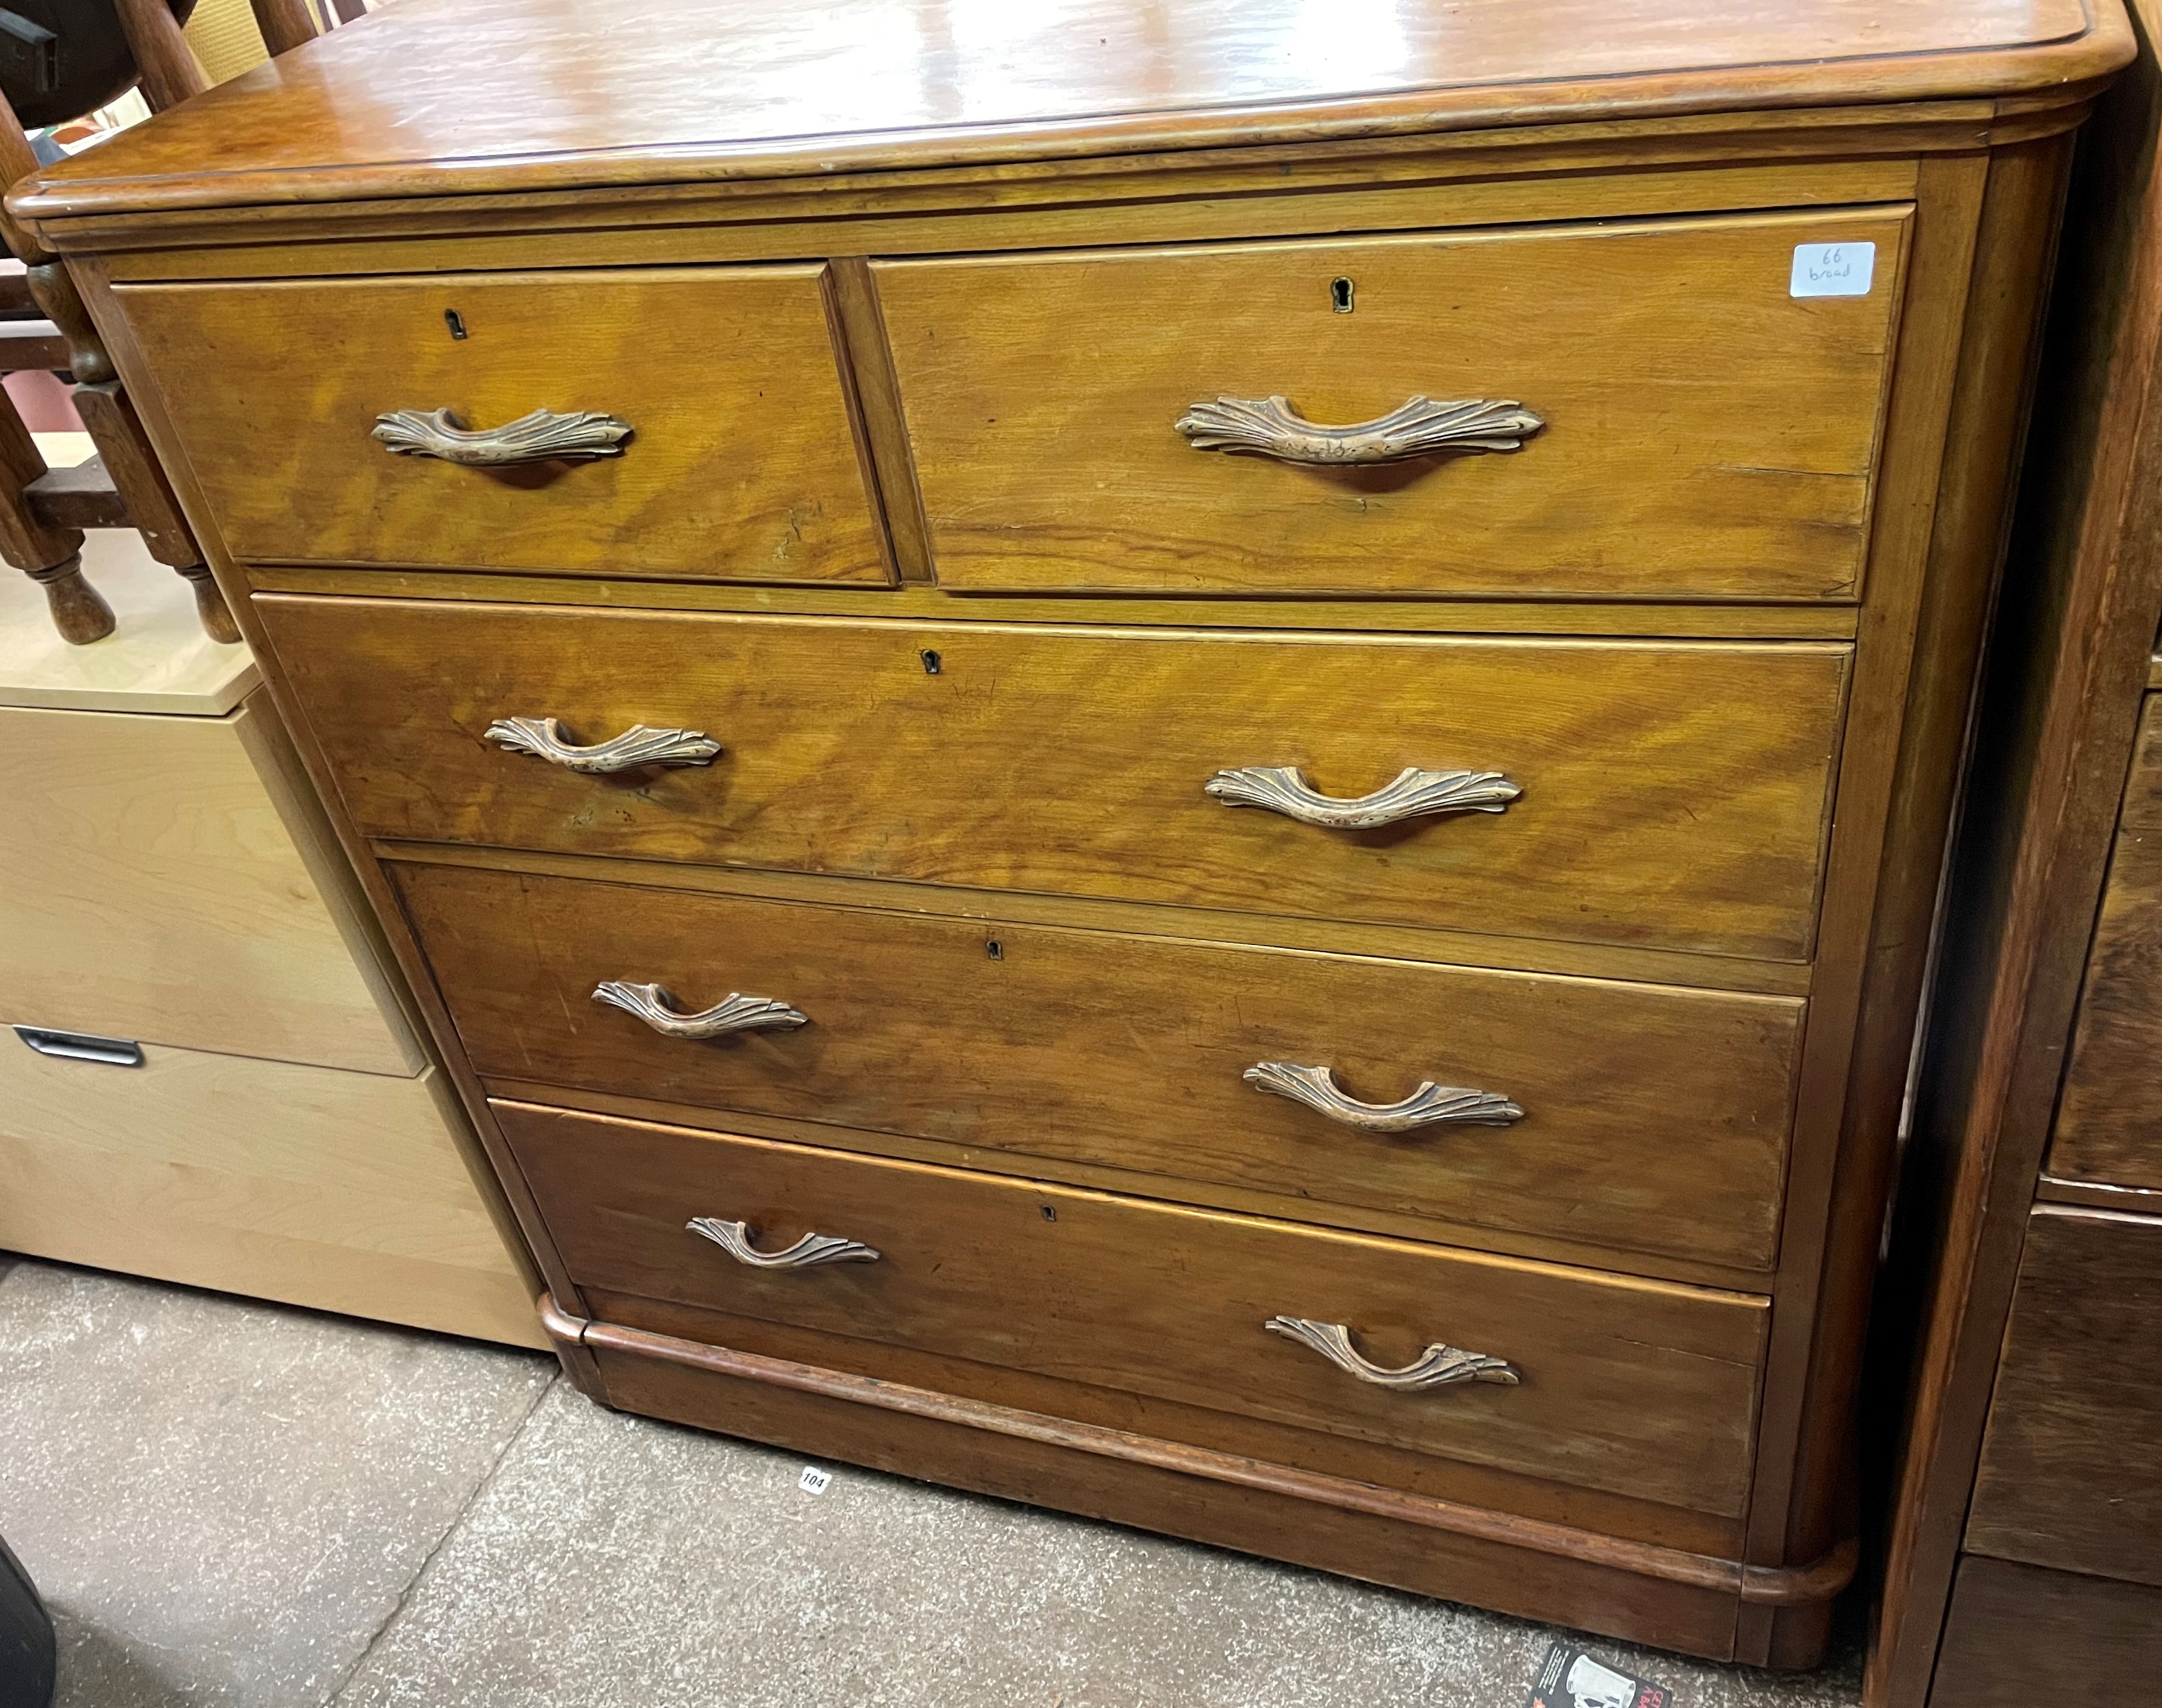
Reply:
x=337, y=1190
x=1700, y=431
x=2017, y=1635
x=1672, y=794
x=1634, y=1386
x=2109, y=1123
x=1650, y=1119
x=158, y=881
x=742, y=462
x=2072, y=1465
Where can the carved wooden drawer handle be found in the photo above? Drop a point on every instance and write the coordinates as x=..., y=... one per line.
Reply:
x=543, y=436
x=734, y=1013
x=1430, y=1105
x=1271, y=427
x=1415, y=793
x=735, y=1239
x=638, y=745
x=1438, y=1367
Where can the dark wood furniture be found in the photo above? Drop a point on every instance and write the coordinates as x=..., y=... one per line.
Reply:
x=858, y=593
x=2025, y=1319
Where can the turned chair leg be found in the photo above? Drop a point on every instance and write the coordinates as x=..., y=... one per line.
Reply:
x=210, y=608
x=109, y=417
x=80, y=614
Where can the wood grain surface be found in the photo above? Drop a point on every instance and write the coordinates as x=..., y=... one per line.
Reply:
x=1707, y=434
x=2072, y=1467
x=2109, y=1121
x=1674, y=795
x=742, y=463
x=760, y=88
x=2018, y=1635
x=1634, y=1386
x=316, y=1186
x=1656, y=1120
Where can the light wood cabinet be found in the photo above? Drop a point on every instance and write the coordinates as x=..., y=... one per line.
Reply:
x=168, y=882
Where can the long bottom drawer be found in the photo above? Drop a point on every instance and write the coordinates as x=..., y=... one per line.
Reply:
x=1592, y=1380
x=316, y=1186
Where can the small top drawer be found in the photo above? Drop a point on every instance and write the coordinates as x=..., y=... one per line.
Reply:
x=1703, y=428
x=741, y=463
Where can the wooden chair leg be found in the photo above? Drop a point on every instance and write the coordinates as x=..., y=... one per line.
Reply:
x=111, y=420
x=78, y=611
x=284, y=24
x=169, y=69
x=210, y=608
x=51, y=557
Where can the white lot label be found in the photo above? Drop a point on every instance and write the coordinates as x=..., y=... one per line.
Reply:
x=814, y=1482
x=1832, y=269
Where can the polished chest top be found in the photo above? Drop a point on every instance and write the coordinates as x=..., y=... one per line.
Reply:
x=1178, y=759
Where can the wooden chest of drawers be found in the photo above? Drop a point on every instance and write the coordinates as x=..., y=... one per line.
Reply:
x=1140, y=767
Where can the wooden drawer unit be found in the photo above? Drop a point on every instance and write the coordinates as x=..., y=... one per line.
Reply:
x=2109, y=1121
x=1634, y=1387
x=740, y=462
x=1664, y=420
x=2072, y=1465
x=1630, y=1117
x=1445, y=575
x=1664, y=795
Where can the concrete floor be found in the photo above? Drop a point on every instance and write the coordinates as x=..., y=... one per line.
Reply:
x=236, y=1503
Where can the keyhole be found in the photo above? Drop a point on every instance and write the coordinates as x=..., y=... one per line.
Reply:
x=931, y=664
x=455, y=321
x=996, y=949
x=1340, y=295
x=1049, y=1214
